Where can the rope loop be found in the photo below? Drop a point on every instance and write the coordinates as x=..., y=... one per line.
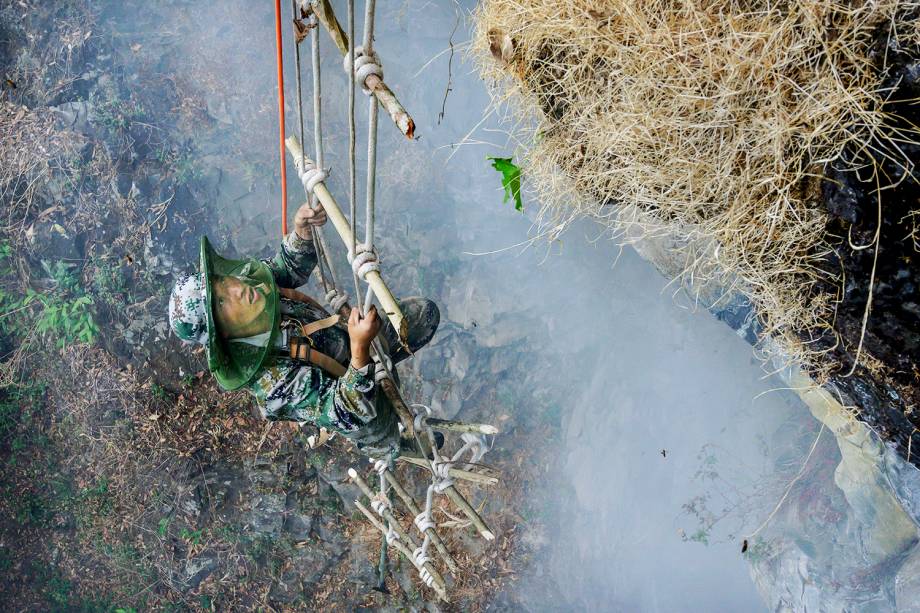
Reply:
x=311, y=176
x=380, y=504
x=336, y=299
x=421, y=418
x=381, y=466
x=365, y=66
x=476, y=444
x=423, y=521
x=382, y=368
x=420, y=557
x=363, y=261
x=442, y=479
x=392, y=536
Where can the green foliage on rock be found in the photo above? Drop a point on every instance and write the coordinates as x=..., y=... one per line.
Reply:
x=62, y=314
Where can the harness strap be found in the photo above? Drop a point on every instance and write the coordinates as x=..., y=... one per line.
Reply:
x=293, y=294
x=319, y=324
x=300, y=350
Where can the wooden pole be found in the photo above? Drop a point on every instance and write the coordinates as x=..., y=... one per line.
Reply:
x=402, y=410
x=385, y=96
x=341, y=225
x=470, y=512
x=438, y=587
x=413, y=508
x=459, y=426
x=405, y=536
x=455, y=473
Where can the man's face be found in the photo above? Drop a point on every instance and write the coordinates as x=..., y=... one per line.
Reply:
x=239, y=307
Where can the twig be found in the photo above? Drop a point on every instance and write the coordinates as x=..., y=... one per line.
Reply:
x=789, y=487
x=450, y=61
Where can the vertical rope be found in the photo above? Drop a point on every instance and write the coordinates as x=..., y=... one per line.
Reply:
x=351, y=145
x=314, y=231
x=318, y=136
x=281, y=117
x=370, y=7
x=317, y=97
x=303, y=154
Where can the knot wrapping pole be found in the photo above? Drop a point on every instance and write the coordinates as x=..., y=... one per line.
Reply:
x=336, y=299
x=383, y=368
x=421, y=418
x=421, y=559
x=423, y=521
x=441, y=473
x=380, y=504
x=311, y=175
x=363, y=261
x=366, y=64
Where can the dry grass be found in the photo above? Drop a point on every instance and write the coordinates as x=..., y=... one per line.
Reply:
x=31, y=149
x=709, y=118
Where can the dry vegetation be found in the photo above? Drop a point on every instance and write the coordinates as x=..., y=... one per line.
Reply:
x=711, y=118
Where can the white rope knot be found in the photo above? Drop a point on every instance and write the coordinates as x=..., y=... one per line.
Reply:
x=311, y=176
x=421, y=418
x=382, y=368
x=336, y=299
x=365, y=66
x=381, y=466
x=392, y=536
x=363, y=261
x=380, y=504
x=423, y=521
x=476, y=444
x=420, y=557
x=442, y=479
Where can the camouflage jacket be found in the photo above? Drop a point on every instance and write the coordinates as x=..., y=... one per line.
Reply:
x=290, y=390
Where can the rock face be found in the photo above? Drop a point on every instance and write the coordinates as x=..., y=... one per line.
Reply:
x=855, y=543
x=885, y=228
x=907, y=585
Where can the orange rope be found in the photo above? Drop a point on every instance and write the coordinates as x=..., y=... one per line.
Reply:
x=281, y=118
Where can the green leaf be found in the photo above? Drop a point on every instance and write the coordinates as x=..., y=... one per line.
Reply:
x=511, y=180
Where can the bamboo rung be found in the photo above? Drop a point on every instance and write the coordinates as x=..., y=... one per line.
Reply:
x=385, y=96
x=456, y=473
x=343, y=228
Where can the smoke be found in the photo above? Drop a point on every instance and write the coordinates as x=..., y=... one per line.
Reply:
x=668, y=445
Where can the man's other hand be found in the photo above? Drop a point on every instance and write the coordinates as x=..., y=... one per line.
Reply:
x=361, y=331
x=307, y=217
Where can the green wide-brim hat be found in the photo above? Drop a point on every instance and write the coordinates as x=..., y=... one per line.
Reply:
x=235, y=364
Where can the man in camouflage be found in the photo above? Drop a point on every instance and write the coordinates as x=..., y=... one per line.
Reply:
x=245, y=314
